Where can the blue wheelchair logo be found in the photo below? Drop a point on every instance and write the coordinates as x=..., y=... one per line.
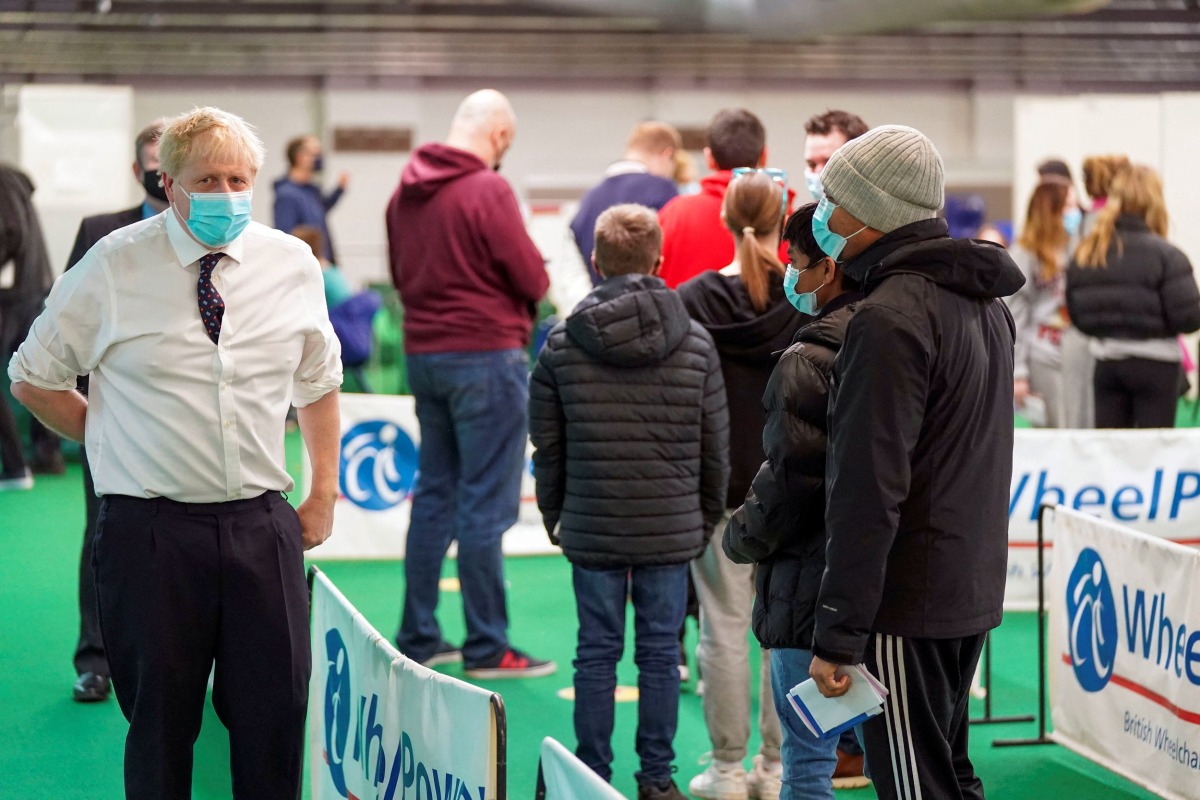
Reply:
x=378, y=464
x=1093, y=619
x=337, y=708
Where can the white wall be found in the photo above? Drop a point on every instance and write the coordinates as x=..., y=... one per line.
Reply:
x=1156, y=129
x=565, y=136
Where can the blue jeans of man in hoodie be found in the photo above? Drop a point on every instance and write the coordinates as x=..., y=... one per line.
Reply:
x=471, y=408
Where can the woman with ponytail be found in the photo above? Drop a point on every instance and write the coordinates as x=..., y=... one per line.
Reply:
x=1039, y=308
x=744, y=308
x=1135, y=292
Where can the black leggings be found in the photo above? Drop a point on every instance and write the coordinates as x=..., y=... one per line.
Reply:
x=1136, y=393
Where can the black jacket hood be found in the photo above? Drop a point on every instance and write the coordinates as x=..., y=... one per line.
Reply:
x=723, y=307
x=970, y=267
x=629, y=320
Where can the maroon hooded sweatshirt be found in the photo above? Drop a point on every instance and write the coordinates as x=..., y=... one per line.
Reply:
x=467, y=272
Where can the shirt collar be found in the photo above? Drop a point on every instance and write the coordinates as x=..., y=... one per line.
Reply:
x=188, y=250
x=627, y=167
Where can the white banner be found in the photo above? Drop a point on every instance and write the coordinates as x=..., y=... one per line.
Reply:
x=378, y=469
x=567, y=778
x=1145, y=479
x=385, y=728
x=1125, y=652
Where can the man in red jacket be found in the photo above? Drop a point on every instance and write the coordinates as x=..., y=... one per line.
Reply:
x=469, y=278
x=694, y=238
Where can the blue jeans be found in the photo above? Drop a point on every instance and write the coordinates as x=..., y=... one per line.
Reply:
x=808, y=762
x=659, y=602
x=472, y=411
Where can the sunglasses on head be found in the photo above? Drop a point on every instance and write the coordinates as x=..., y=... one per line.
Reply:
x=775, y=174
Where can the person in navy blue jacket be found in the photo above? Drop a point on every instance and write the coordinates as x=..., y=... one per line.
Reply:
x=298, y=199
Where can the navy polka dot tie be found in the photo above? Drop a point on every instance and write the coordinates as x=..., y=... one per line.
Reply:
x=212, y=307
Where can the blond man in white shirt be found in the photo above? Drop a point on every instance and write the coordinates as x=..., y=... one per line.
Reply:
x=199, y=327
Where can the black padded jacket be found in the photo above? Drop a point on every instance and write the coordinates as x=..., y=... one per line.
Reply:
x=749, y=343
x=627, y=414
x=781, y=525
x=1147, y=290
x=920, y=445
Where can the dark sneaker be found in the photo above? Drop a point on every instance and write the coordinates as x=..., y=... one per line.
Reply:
x=512, y=663
x=446, y=653
x=668, y=792
x=16, y=480
x=92, y=688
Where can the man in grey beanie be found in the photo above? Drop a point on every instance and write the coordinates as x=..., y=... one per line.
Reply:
x=920, y=460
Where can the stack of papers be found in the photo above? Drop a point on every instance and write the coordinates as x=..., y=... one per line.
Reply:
x=826, y=717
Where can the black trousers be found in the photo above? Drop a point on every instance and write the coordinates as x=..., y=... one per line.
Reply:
x=181, y=585
x=917, y=748
x=1137, y=393
x=89, y=650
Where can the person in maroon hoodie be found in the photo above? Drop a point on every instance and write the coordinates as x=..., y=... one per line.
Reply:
x=469, y=278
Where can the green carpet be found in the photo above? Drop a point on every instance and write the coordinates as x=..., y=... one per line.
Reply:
x=59, y=749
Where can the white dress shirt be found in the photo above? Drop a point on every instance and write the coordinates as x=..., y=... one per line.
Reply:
x=170, y=414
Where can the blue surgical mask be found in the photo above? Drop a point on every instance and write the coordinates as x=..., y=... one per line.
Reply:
x=813, y=181
x=217, y=218
x=1072, y=219
x=805, y=303
x=318, y=163
x=829, y=242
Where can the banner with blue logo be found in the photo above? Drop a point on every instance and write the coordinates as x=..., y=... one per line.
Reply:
x=1148, y=480
x=382, y=727
x=1125, y=651
x=565, y=777
x=378, y=471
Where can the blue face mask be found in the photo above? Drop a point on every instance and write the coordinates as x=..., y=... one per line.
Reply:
x=813, y=181
x=318, y=163
x=1072, y=219
x=829, y=242
x=217, y=218
x=804, y=303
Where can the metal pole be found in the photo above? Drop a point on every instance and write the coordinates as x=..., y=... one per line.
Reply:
x=1041, y=640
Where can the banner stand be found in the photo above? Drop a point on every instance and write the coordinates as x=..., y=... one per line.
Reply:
x=988, y=718
x=1041, y=738
x=500, y=716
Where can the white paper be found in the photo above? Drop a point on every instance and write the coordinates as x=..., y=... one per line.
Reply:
x=865, y=696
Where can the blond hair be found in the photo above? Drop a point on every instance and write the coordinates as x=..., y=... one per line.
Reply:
x=205, y=131
x=654, y=137
x=1099, y=171
x=1136, y=191
x=754, y=212
x=628, y=240
x=1044, y=234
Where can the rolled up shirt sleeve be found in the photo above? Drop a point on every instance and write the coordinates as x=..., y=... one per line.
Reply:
x=320, y=369
x=69, y=336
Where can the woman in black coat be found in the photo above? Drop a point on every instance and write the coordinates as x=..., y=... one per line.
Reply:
x=1135, y=292
x=781, y=525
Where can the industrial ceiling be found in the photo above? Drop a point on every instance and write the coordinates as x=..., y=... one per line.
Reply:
x=1041, y=45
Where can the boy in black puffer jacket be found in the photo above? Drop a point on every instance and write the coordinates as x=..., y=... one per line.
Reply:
x=781, y=526
x=628, y=417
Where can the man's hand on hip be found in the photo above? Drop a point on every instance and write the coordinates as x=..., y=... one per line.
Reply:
x=824, y=674
x=316, y=521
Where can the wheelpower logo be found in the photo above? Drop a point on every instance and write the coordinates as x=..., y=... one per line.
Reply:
x=1093, y=619
x=360, y=751
x=1143, y=645
x=378, y=464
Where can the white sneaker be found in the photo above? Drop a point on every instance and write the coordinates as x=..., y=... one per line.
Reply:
x=723, y=780
x=764, y=781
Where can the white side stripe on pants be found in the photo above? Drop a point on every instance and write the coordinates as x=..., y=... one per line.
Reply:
x=889, y=661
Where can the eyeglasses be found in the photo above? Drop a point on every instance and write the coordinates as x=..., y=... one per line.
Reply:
x=778, y=175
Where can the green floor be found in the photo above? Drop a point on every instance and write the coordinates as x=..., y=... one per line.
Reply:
x=55, y=748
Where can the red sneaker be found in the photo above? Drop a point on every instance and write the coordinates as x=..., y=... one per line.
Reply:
x=512, y=663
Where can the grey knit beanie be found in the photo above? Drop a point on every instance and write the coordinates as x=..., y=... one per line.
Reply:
x=888, y=177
